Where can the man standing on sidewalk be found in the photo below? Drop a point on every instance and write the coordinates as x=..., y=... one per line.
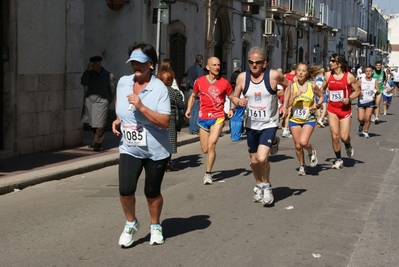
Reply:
x=259, y=87
x=212, y=91
x=100, y=92
x=193, y=73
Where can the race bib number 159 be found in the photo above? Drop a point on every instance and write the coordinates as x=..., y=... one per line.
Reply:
x=300, y=113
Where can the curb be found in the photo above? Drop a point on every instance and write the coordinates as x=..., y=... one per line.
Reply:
x=21, y=181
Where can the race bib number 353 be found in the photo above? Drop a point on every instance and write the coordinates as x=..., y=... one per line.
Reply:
x=134, y=135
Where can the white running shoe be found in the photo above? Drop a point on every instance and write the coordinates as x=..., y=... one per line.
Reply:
x=339, y=164
x=372, y=119
x=376, y=120
x=258, y=194
x=268, y=197
x=350, y=152
x=156, y=235
x=126, y=238
x=301, y=171
x=274, y=148
x=313, y=159
x=207, y=179
x=286, y=134
x=366, y=135
x=321, y=124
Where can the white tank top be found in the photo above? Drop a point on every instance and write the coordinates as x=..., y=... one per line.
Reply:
x=262, y=107
x=368, y=91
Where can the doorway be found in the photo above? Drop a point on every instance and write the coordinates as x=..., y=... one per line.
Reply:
x=177, y=53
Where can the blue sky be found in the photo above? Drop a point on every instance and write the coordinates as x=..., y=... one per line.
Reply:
x=388, y=6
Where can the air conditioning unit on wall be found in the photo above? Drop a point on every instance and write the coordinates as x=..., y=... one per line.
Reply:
x=248, y=24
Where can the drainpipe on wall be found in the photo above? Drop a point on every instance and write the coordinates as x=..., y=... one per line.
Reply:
x=208, y=20
x=309, y=52
x=297, y=46
x=286, y=49
x=159, y=20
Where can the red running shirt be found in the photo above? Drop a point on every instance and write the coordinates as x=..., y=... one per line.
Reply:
x=290, y=77
x=338, y=90
x=212, y=97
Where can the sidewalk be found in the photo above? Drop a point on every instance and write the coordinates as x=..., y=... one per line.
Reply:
x=20, y=172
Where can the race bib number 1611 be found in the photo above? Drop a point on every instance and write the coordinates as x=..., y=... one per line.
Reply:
x=259, y=114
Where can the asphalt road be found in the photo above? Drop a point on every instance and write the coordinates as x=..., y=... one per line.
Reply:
x=345, y=217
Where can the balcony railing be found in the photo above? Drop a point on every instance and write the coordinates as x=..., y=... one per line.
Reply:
x=356, y=34
x=282, y=4
x=293, y=7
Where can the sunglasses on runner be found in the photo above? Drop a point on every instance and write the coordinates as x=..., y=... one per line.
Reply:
x=258, y=62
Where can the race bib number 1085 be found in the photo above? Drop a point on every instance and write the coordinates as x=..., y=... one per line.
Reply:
x=134, y=135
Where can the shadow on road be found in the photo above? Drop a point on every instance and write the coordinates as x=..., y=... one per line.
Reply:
x=279, y=157
x=178, y=226
x=348, y=162
x=281, y=193
x=187, y=161
x=223, y=175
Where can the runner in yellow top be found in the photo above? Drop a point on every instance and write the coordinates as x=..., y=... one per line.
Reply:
x=302, y=119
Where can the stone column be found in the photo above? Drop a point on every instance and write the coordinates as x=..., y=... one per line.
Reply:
x=74, y=57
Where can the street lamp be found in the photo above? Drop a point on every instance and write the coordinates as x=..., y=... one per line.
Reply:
x=162, y=17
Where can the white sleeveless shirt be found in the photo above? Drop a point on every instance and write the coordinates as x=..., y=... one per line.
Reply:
x=262, y=107
x=368, y=91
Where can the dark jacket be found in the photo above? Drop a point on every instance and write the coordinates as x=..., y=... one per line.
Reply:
x=194, y=72
x=101, y=84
